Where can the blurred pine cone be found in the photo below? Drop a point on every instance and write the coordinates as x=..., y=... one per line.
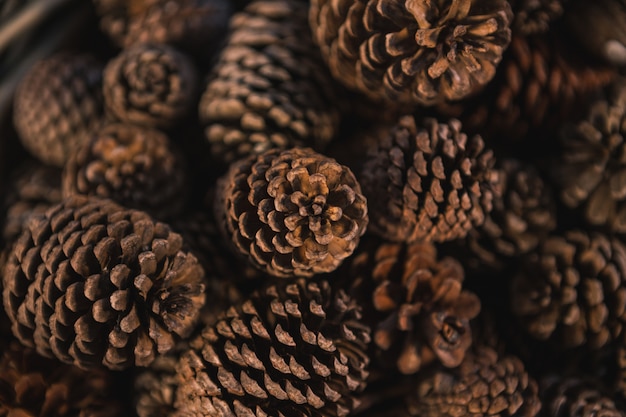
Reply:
x=294, y=349
x=437, y=183
x=135, y=166
x=575, y=397
x=419, y=52
x=152, y=85
x=415, y=303
x=269, y=87
x=292, y=213
x=535, y=16
x=57, y=103
x=572, y=290
x=93, y=283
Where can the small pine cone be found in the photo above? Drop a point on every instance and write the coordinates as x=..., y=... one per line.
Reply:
x=136, y=167
x=575, y=397
x=591, y=172
x=572, y=290
x=447, y=190
x=93, y=283
x=535, y=16
x=269, y=87
x=419, y=310
x=419, y=52
x=151, y=85
x=32, y=386
x=293, y=213
x=294, y=349
x=484, y=385
x=58, y=102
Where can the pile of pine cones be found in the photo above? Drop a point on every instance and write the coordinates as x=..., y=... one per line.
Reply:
x=293, y=208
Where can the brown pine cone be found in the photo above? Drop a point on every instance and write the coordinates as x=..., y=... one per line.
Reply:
x=447, y=189
x=535, y=16
x=419, y=52
x=415, y=302
x=93, y=283
x=32, y=386
x=575, y=397
x=151, y=85
x=294, y=349
x=135, y=166
x=292, y=213
x=269, y=87
x=591, y=171
x=58, y=102
x=572, y=290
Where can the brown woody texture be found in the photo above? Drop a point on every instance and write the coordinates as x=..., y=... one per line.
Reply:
x=535, y=16
x=92, y=283
x=417, y=52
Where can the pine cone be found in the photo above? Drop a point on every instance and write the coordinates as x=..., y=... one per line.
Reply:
x=32, y=386
x=293, y=213
x=294, y=350
x=484, y=385
x=93, y=283
x=57, y=103
x=269, y=87
x=592, y=168
x=447, y=190
x=535, y=16
x=137, y=167
x=151, y=85
x=575, y=397
x=414, y=51
x=572, y=290
x=416, y=303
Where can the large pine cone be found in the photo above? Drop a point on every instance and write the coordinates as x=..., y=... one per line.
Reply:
x=293, y=213
x=576, y=397
x=591, y=172
x=152, y=85
x=290, y=350
x=93, y=283
x=535, y=16
x=572, y=290
x=412, y=51
x=420, y=310
x=437, y=183
x=136, y=167
x=58, y=102
x=269, y=87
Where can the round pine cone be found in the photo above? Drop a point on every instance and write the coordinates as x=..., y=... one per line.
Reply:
x=420, y=310
x=269, y=87
x=447, y=189
x=294, y=349
x=591, y=172
x=535, y=16
x=575, y=397
x=293, y=213
x=152, y=85
x=58, y=102
x=93, y=283
x=484, y=385
x=420, y=52
x=572, y=290
x=136, y=167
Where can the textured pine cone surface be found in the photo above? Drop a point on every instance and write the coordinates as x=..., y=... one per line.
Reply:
x=92, y=283
x=292, y=349
x=535, y=16
x=415, y=52
x=269, y=88
x=438, y=182
x=292, y=213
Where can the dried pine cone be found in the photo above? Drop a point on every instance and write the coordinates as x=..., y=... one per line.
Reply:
x=135, y=166
x=572, y=290
x=575, y=397
x=290, y=350
x=420, y=310
x=535, y=16
x=93, y=283
x=57, y=103
x=269, y=87
x=152, y=85
x=447, y=189
x=412, y=51
x=293, y=213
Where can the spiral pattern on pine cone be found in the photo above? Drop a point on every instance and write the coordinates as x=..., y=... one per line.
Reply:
x=92, y=283
x=414, y=51
x=576, y=397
